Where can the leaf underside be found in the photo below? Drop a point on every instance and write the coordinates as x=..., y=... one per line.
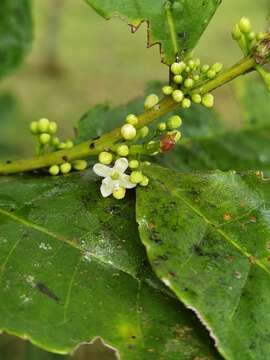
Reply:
x=72, y=268
x=207, y=238
x=175, y=25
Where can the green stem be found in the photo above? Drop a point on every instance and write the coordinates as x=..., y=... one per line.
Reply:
x=95, y=146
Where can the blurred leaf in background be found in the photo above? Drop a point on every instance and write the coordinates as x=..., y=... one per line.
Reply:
x=15, y=33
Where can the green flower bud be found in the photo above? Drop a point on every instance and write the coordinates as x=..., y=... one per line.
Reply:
x=69, y=144
x=162, y=126
x=146, y=163
x=122, y=150
x=261, y=35
x=151, y=101
x=197, y=62
x=55, y=141
x=128, y=132
x=34, y=127
x=251, y=35
x=177, y=96
x=176, y=135
x=191, y=64
x=196, y=77
x=136, y=177
x=236, y=32
x=53, y=127
x=145, y=181
x=105, y=158
x=217, y=67
x=65, y=168
x=178, y=79
x=244, y=25
x=119, y=193
x=196, y=98
x=133, y=164
x=143, y=132
x=79, y=165
x=54, y=170
x=205, y=68
x=208, y=100
x=43, y=125
x=187, y=69
x=186, y=103
x=189, y=83
x=211, y=74
x=177, y=68
x=132, y=119
x=174, y=122
x=167, y=90
x=62, y=146
x=44, y=139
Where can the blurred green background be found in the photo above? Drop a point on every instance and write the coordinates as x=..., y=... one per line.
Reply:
x=78, y=60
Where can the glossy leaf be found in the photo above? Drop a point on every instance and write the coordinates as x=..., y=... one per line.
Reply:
x=15, y=33
x=207, y=237
x=175, y=25
x=73, y=268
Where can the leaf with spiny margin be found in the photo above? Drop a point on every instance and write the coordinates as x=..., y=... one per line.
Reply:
x=15, y=33
x=73, y=268
x=176, y=25
x=207, y=238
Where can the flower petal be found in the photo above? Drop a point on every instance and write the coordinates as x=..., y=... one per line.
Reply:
x=106, y=188
x=125, y=182
x=102, y=170
x=121, y=165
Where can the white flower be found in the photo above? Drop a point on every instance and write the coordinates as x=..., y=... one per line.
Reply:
x=114, y=178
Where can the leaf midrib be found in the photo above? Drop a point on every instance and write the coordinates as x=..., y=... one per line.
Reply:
x=221, y=232
x=62, y=239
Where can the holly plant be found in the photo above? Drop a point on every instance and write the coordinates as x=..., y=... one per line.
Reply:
x=151, y=228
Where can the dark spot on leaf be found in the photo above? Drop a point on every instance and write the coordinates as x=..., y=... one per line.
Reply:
x=92, y=145
x=227, y=217
x=8, y=162
x=198, y=250
x=96, y=138
x=65, y=158
x=46, y=291
x=252, y=259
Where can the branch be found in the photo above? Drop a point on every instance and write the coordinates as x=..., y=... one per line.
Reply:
x=95, y=146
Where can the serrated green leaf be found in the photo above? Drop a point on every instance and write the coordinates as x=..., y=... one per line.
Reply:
x=207, y=238
x=176, y=25
x=15, y=33
x=73, y=268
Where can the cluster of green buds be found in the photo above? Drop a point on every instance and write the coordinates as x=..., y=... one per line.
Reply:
x=255, y=43
x=187, y=76
x=246, y=37
x=45, y=132
x=122, y=164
